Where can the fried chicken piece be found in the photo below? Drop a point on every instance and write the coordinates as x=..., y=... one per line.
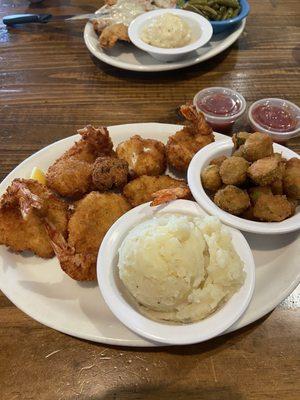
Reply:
x=233, y=171
x=258, y=145
x=239, y=139
x=140, y=190
x=92, y=218
x=182, y=146
x=144, y=156
x=218, y=160
x=112, y=33
x=291, y=178
x=256, y=191
x=232, y=199
x=71, y=174
x=23, y=209
x=211, y=179
x=167, y=195
x=265, y=171
x=109, y=173
x=272, y=208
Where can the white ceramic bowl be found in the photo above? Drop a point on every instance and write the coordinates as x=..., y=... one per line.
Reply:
x=202, y=159
x=114, y=292
x=200, y=27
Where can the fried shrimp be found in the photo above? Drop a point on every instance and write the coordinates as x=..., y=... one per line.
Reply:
x=182, y=146
x=71, y=174
x=167, y=195
x=23, y=209
x=140, y=190
x=144, y=156
x=93, y=216
x=109, y=173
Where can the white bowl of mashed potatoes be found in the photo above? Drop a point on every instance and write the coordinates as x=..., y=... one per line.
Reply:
x=169, y=34
x=175, y=275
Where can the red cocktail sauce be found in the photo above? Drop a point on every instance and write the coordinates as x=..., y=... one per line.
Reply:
x=219, y=104
x=275, y=118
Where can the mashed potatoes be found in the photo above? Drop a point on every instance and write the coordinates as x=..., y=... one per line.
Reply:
x=180, y=268
x=167, y=31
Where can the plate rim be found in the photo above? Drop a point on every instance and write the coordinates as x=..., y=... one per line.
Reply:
x=139, y=342
x=227, y=42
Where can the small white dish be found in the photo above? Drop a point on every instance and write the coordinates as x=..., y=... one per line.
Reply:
x=114, y=293
x=202, y=159
x=200, y=27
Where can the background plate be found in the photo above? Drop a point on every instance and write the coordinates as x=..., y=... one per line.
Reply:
x=127, y=56
x=43, y=291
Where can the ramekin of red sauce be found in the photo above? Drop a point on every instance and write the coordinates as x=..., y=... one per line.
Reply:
x=221, y=106
x=277, y=117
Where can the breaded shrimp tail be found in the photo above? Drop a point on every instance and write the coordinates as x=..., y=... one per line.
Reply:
x=167, y=195
x=98, y=138
x=19, y=195
x=81, y=267
x=196, y=122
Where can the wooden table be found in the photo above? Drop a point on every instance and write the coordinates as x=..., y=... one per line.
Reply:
x=50, y=86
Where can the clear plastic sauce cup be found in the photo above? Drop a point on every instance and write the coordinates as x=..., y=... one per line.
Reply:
x=221, y=106
x=277, y=117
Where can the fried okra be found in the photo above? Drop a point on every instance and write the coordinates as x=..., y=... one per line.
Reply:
x=232, y=199
x=258, y=145
x=291, y=178
x=272, y=208
x=265, y=171
x=233, y=171
x=210, y=178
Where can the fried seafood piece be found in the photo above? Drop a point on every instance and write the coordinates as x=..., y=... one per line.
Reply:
x=92, y=218
x=211, y=179
x=272, y=208
x=144, y=156
x=182, y=146
x=111, y=34
x=233, y=171
x=291, y=178
x=218, y=160
x=140, y=190
x=240, y=138
x=257, y=145
x=232, y=199
x=265, y=171
x=71, y=174
x=167, y=195
x=109, y=173
x=23, y=209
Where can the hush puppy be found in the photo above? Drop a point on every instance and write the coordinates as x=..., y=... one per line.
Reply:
x=109, y=173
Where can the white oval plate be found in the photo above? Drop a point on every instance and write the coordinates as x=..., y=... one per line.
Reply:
x=201, y=160
x=127, y=56
x=115, y=296
x=43, y=291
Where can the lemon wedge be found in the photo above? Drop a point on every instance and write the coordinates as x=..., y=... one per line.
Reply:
x=38, y=175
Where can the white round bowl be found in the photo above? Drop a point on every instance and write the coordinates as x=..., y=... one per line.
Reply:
x=115, y=294
x=202, y=159
x=199, y=25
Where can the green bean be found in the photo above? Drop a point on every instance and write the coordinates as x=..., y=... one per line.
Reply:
x=222, y=12
x=190, y=7
x=228, y=13
x=216, y=6
x=229, y=3
x=209, y=11
x=236, y=12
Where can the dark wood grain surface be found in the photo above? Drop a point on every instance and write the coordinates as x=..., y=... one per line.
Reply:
x=50, y=86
